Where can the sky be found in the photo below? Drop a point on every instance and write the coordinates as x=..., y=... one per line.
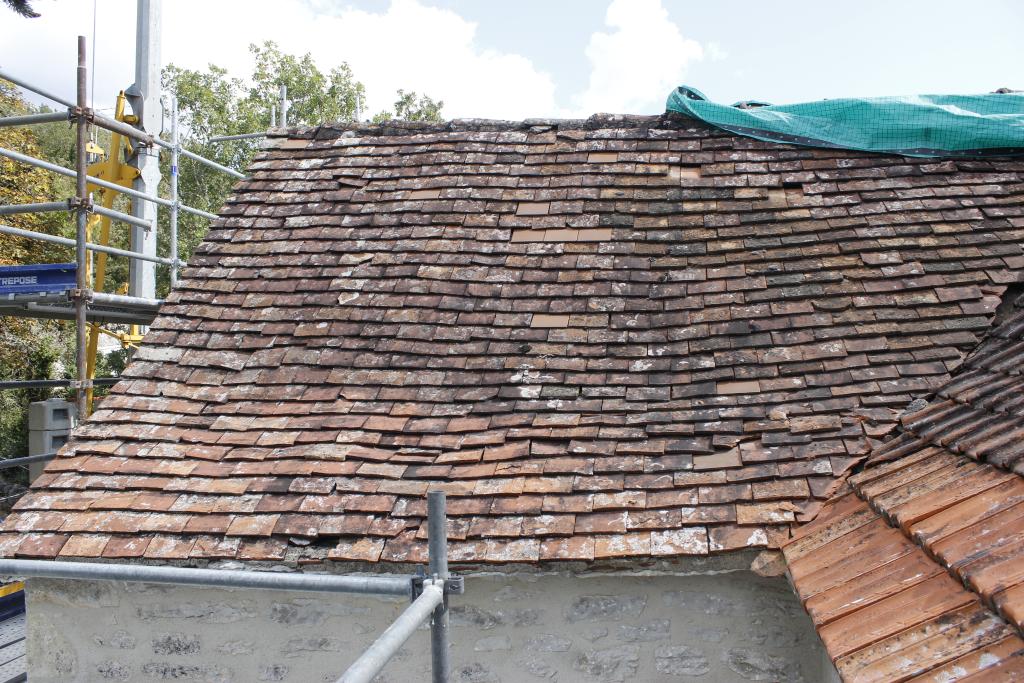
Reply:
x=515, y=59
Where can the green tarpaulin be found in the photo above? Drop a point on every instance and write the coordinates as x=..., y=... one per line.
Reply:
x=919, y=126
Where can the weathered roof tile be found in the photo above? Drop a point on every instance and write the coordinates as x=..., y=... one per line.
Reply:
x=661, y=341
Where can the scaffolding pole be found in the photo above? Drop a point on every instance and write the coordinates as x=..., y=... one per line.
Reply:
x=242, y=136
x=146, y=225
x=92, y=315
x=91, y=246
x=429, y=594
x=213, y=164
x=31, y=88
x=11, y=463
x=81, y=138
x=174, y=192
x=39, y=207
x=32, y=119
x=437, y=556
x=52, y=383
x=225, y=578
x=285, y=105
x=384, y=648
x=136, y=134
x=99, y=182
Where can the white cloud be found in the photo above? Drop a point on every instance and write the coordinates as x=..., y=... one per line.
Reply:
x=716, y=53
x=637, y=63
x=413, y=46
x=408, y=45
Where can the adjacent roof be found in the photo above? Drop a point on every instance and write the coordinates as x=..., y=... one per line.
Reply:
x=613, y=338
x=919, y=572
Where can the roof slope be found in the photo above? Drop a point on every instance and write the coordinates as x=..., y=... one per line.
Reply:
x=920, y=570
x=607, y=338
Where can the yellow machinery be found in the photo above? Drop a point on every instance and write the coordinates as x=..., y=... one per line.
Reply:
x=114, y=170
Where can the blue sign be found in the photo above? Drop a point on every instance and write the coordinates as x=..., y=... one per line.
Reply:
x=34, y=279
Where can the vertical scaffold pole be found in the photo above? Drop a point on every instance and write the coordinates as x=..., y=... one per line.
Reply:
x=437, y=549
x=174, y=191
x=81, y=216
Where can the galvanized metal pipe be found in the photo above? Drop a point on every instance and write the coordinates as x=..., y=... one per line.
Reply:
x=224, y=578
x=99, y=182
x=132, y=132
x=32, y=119
x=243, y=136
x=125, y=129
x=174, y=192
x=39, y=91
x=104, y=299
x=123, y=217
x=212, y=164
x=91, y=246
x=285, y=105
x=11, y=463
x=81, y=185
x=384, y=648
x=39, y=207
x=65, y=206
x=437, y=555
x=52, y=384
x=91, y=314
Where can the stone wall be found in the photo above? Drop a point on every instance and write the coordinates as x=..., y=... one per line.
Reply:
x=710, y=628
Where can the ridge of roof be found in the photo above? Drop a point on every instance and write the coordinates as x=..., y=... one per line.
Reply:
x=396, y=127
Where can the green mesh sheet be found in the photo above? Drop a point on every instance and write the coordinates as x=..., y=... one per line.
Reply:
x=919, y=126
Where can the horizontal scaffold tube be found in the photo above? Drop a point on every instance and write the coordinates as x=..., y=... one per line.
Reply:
x=52, y=384
x=67, y=242
x=9, y=209
x=123, y=217
x=32, y=119
x=93, y=315
x=212, y=164
x=99, y=182
x=11, y=463
x=104, y=299
x=39, y=91
x=129, y=131
x=243, y=136
x=225, y=578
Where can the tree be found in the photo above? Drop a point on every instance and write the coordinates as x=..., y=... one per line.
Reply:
x=23, y=184
x=22, y=7
x=316, y=97
x=29, y=348
x=410, y=107
x=212, y=103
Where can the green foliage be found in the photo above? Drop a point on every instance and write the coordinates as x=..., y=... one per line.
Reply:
x=211, y=103
x=22, y=184
x=316, y=97
x=410, y=107
x=29, y=349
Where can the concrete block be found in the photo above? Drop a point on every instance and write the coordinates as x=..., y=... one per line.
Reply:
x=44, y=441
x=53, y=414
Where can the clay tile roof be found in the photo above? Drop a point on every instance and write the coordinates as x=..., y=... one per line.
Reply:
x=918, y=572
x=614, y=338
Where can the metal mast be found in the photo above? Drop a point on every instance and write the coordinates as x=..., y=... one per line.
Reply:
x=144, y=96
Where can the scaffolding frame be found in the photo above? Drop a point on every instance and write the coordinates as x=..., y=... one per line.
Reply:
x=429, y=593
x=80, y=303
